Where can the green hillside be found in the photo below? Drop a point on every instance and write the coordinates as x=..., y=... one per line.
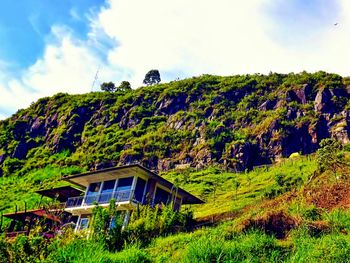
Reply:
x=289, y=212
x=234, y=122
x=244, y=144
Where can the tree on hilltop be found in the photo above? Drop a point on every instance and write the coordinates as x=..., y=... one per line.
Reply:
x=152, y=77
x=108, y=86
x=124, y=86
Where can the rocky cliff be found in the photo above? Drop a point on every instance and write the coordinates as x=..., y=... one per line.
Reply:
x=237, y=122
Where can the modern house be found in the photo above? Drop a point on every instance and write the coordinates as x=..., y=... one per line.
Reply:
x=129, y=186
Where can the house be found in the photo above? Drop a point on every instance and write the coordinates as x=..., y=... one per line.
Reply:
x=129, y=186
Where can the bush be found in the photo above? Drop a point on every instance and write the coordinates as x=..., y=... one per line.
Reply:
x=147, y=223
x=25, y=249
x=79, y=250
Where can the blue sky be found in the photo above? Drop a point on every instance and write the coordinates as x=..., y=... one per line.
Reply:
x=25, y=25
x=51, y=46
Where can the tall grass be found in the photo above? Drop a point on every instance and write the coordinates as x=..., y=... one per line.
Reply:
x=325, y=248
x=250, y=247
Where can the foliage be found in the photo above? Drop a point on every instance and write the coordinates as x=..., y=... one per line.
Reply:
x=131, y=254
x=25, y=249
x=106, y=226
x=228, y=124
x=152, y=77
x=124, y=86
x=318, y=235
x=330, y=157
x=108, y=86
x=147, y=223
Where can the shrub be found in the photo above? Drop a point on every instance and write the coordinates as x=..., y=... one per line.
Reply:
x=79, y=250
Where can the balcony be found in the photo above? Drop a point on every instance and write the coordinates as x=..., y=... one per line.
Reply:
x=104, y=198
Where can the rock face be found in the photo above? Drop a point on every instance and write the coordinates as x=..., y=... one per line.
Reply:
x=195, y=123
x=304, y=94
x=171, y=105
x=323, y=102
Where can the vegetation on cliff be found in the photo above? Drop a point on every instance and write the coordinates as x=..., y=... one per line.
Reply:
x=237, y=122
x=214, y=136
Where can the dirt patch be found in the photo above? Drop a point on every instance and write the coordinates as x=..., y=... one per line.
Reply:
x=317, y=228
x=278, y=224
x=329, y=196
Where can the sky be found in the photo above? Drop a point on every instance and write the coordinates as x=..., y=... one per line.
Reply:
x=52, y=46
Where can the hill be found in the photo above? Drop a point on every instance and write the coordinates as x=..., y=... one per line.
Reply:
x=232, y=141
x=238, y=121
x=235, y=123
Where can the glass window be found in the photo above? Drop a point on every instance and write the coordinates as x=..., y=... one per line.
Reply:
x=124, y=184
x=92, y=194
x=94, y=188
x=108, y=186
x=162, y=196
x=116, y=220
x=107, y=191
x=140, y=188
x=84, y=223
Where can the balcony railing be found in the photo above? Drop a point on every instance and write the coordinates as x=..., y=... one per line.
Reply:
x=104, y=198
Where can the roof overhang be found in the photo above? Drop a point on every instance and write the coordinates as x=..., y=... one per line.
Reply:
x=112, y=173
x=61, y=193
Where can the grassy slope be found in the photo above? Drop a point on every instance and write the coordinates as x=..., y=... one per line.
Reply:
x=320, y=234
x=228, y=242
x=218, y=189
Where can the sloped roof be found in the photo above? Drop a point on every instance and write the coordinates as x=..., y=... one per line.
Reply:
x=111, y=173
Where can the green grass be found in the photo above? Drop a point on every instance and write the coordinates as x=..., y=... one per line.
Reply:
x=227, y=241
x=218, y=191
x=23, y=187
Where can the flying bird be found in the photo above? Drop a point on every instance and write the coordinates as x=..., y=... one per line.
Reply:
x=335, y=24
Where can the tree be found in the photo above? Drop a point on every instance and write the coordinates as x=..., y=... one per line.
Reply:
x=124, y=86
x=330, y=156
x=152, y=77
x=108, y=86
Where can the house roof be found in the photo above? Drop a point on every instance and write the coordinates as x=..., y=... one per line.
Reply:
x=61, y=193
x=85, y=179
x=23, y=215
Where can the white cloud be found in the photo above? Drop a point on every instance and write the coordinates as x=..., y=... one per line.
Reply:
x=68, y=65
x=193, y=37
x=222, y=37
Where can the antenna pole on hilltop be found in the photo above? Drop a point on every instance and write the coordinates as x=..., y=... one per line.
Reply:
x=95, y=79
